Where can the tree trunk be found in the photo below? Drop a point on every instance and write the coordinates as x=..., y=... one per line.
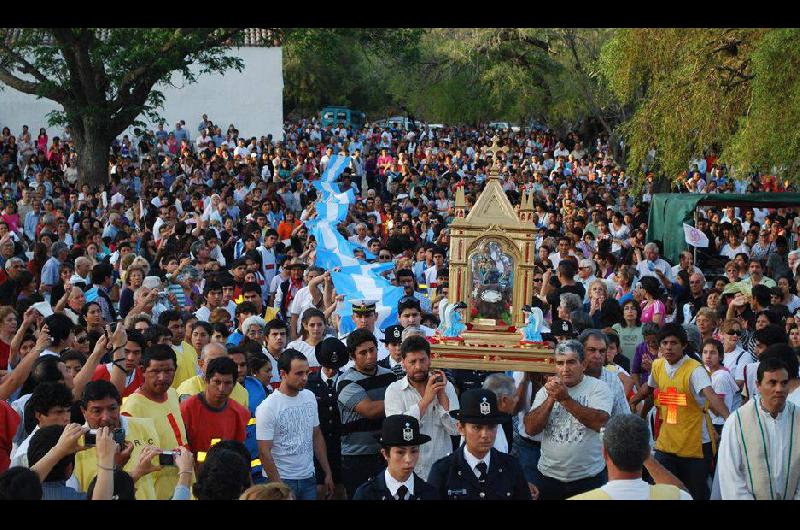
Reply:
x=92, y=147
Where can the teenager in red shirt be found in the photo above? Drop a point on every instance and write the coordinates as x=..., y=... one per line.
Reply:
x=211, y=414
x=133, y=353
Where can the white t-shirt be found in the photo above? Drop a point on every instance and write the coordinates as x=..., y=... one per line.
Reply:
x=633, y=490
x=748, y=373
x=306, y=349
x=526, y=406
x=735, y=359
x=289, y=423
x=794, y=397
x=725, y=386
x=570, y=450
x=302, y=300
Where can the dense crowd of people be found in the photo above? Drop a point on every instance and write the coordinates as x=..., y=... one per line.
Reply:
x=169, y=333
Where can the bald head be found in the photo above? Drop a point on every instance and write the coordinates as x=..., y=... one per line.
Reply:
x=76, y=299
x=211, y=351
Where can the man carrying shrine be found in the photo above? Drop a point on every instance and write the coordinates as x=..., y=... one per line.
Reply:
x=683, y=394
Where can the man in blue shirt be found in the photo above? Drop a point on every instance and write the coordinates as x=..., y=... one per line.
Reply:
x=32, y=220
x=51, y=266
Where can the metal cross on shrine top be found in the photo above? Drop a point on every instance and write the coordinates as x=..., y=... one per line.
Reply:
x=493, y=150
x=672, y=400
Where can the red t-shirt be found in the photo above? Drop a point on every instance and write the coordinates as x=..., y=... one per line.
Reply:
x=101, y=373
x=5, y=353
x=9, y=422
x=204, y=424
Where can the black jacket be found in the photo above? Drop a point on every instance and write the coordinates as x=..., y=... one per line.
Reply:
x=454, y=479
x=375, y=489
x=329, y=422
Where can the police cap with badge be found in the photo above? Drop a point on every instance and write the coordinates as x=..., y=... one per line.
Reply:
x=393, y=334
x=400, y=430
x=479, y=406
x=562, y=328
x=331, y=353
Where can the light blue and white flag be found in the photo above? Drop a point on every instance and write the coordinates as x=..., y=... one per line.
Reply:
x=336, y=166
x=370, y=287
x=329, y=259
x=372, y=268
x=331, y=212
x=330, y=193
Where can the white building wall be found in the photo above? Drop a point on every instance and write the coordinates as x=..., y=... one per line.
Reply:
x=251, y=99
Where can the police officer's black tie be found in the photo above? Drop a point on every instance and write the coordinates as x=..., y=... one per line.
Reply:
x=402, y=491
x=330, y=385
x=482, y=468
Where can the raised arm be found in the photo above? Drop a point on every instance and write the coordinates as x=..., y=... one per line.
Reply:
x=13, y=381
x=66, y=445
x=27, y=321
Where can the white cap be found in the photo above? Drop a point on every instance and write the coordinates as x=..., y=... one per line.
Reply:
x=152, y=282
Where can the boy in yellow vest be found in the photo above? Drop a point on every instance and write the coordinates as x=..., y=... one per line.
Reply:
x=684, y=396
x=626, y=448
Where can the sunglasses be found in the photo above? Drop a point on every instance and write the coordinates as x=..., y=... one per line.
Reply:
x=736, y=332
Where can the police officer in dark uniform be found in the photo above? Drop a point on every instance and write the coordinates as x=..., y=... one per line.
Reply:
x=393, y=338
x=400, y=439
x=477, y=471
x=331, y=354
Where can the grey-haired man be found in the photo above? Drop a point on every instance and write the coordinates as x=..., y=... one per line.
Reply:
x=570, y=410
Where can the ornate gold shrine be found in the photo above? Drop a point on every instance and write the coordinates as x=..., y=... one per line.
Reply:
x=492, y=253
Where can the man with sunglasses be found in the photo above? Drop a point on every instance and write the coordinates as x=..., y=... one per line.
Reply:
x=735, y=356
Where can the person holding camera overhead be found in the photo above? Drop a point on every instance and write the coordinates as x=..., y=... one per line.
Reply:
x=137, y=438
x=429, y=397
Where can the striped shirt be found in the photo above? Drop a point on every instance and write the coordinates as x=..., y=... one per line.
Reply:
x=357, y=430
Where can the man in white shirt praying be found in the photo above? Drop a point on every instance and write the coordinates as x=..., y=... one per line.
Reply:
x=428, y=396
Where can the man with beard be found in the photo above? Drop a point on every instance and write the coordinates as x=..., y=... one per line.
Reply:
x=288, y=433
x=427, y=396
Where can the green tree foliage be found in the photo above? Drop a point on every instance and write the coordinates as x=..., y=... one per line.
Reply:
x=105, y=79
x=349, y=67
x=768, y=138
x=690, y=88
x=470, y=75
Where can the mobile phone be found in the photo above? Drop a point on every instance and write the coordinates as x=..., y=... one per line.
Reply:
x=90, y=438
x=119, y=436
x=166, y=459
